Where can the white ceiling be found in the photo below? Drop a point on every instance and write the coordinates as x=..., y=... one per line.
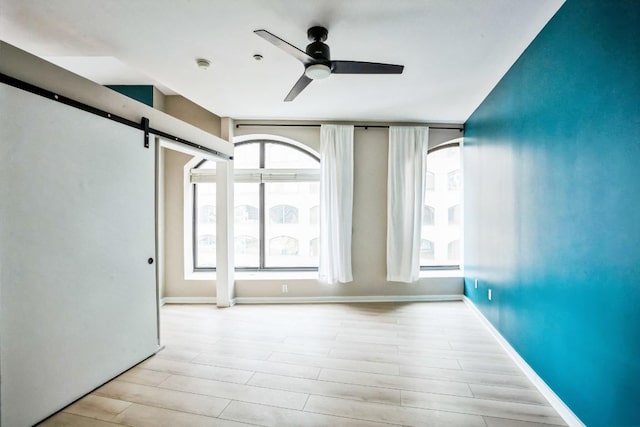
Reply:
x=454, y=51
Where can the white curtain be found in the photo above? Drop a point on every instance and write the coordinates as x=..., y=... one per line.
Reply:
x=336, y=203
x=405, y=198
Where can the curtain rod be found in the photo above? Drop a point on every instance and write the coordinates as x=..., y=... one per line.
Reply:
x=239, y=125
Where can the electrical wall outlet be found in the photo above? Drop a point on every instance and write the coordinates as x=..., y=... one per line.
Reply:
x=285, y=289
x=489, y=295
x=475, y=283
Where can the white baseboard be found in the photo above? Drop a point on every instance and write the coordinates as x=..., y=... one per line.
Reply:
x=312, y=300
x=187, y=300
x=345, y=299
x=563, y=410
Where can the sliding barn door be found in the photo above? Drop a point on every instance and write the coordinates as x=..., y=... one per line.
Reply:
x=77, y=237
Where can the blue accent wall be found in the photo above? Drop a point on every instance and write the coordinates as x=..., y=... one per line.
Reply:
x=141, y=93
x=552, y=208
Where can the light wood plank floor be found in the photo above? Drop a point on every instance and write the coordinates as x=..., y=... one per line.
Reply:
x=413, y=364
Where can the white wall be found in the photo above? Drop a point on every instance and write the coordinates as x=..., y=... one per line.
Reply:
x=174, y=282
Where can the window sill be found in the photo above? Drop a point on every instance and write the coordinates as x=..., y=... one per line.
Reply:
x=276, y=275
x=256, y=275
x=441, y=273
x=200, y=275
x=302, y=275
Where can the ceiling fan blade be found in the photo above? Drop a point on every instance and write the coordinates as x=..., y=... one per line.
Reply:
x=302, y=82
x=357, y=67
x=300, y=55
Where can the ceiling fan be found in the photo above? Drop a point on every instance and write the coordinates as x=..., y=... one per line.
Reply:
x=317, y=60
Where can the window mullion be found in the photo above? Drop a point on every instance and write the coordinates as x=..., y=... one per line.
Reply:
x=194, y=224
x=263, y=215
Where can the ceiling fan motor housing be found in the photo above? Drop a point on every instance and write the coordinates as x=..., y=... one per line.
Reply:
x=317, y=49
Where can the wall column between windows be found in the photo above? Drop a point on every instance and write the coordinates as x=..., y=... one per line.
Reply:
x=225, y=264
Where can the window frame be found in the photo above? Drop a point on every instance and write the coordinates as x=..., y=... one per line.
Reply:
x=194, y=224
x=452, y=267
x=255, y=176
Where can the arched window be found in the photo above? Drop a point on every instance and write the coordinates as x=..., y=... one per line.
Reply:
x=247, y=250
x=246, y=214
x=246, y=245
x=427, y=250
x=313, y=247
x=206, y=250
x=207, y=214
x=204, y=222
x=276, y=195
x=431, y=181
x=207, y=242
x=442, y=212
x=453, y=251
x=455, y=214
x=283, y=245
x=453, y=180
x=283, y=214
x=428, y=215
x=207, y=164
x=314, y=215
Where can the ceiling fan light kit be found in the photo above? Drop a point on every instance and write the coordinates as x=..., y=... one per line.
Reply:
x=317, y=71
x=317, y=62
